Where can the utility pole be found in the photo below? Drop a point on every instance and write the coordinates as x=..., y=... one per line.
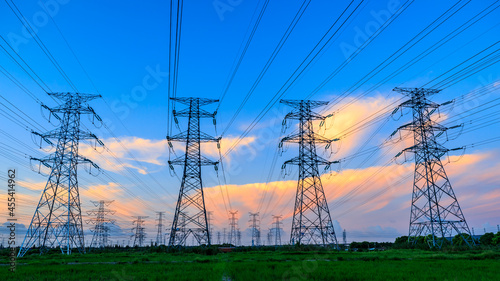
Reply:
x=233, y=226
x=101, y=228
x=159, y=233
x=139, y=228
x=277, y=230
x=434, y=209
x=57, y=221
x=254, y=226
x=191, y=198
x=498, y=227
x=312, y=223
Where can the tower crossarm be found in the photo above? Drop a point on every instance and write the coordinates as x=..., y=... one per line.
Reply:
x=184, y=137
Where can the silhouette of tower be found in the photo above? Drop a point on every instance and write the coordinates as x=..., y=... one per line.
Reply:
x=57, y=221
x=159, y=233
x=255, y=228
x=434, y=209
x=277, y=230
x=233, y=228
x=311, y=223
x=139, y=234
x=101, y=228
x=191, y=199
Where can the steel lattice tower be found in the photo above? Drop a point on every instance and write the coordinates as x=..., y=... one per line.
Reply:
x=254, y=226
x=101, y=228
x=191, y=198
x=434, y=209
x=233, y=226
x=139, y=228
x=311, y=223
x=277, y=230
x=57, y=221
x=159, y=233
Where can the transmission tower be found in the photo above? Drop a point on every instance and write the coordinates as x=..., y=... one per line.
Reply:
x=191, y=198
x=159, y=233
x=311, y=223
x=344, y=238
x=138, y=231
x=101, y=228
x=210, y=226
x=434, y=209
x=277, y=230
x=57, y=221
x=233, y=226
x=254, y=226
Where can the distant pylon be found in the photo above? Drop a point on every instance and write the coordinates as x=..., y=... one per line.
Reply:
x=159, y=233
x=277, y=230
x=233, y=226
x=210, y=226
x=191, y=198
x=270, y=237
x=344, y=238
x=434, y=209
x=101, y=228
x=255, y=228
x=311, y=223
x=58, y=216
x=138, y=230
x=218, y=237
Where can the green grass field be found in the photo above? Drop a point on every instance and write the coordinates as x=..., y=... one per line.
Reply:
x=260, y=265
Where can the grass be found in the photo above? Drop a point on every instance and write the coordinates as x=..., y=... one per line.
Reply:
x=260, y=265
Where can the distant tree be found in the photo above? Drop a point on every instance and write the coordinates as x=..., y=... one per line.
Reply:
x=487, y=239
x=496, y=239
x=401, y=240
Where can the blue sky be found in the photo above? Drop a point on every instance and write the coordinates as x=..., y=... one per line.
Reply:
x=121, y=43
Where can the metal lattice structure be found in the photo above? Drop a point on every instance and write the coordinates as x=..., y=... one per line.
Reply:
x=255, y=228
x=191, y=201
x=57, y=221
x=233, y=228
x=311, y=223
x=277, y=231
x=435, y=211
x=139, y=234
x=101, y=228
x=159, y=233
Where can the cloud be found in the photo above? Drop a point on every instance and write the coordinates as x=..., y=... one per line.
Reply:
x=356, y=197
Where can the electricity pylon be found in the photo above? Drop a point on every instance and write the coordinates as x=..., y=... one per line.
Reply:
x=191, y=198
x=254, y=226
x=277, y=230
x=57, y=221
x=435, y=211
x=139, y=228
x=311, y=223
x=101, y=228
x=159, y=233
x=233, y=226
